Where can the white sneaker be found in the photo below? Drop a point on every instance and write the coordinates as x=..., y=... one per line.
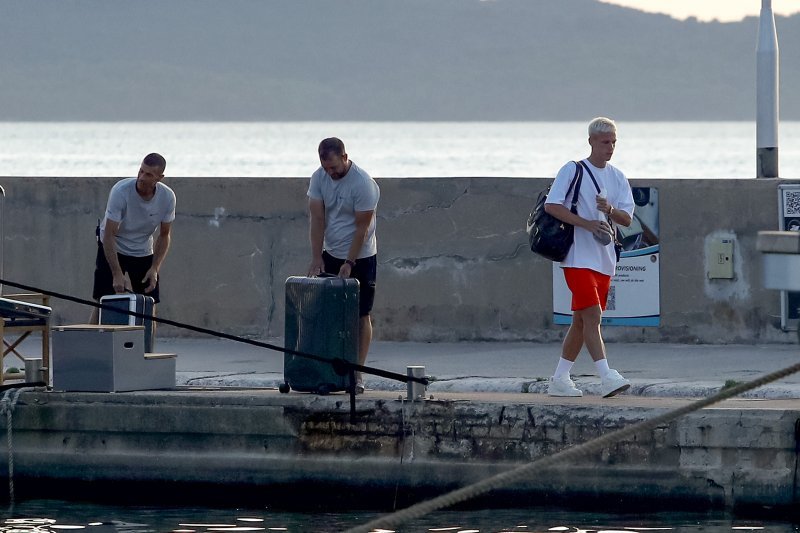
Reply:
x=563, y=386
x=613, y=383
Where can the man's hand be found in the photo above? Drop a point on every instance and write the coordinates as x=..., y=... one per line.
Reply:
x=315, y=268
x=606, y=227
x=152, y=276
x=600, y=228
x=121, y=283
x=603, y=206
x=345, y=270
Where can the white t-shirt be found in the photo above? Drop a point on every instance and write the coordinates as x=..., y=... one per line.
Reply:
x=138, y=218
x=586, y=251
x=356, y=191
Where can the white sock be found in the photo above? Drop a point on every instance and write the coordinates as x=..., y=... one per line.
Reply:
x=563, y=368
x=602, y=367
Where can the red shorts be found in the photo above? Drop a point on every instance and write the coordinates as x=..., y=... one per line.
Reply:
x=588, y=287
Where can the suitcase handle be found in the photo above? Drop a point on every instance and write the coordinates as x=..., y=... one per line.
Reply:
x=328, y=275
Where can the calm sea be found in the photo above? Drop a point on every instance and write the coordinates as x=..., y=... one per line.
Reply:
x=384, y=149
x=50, y=516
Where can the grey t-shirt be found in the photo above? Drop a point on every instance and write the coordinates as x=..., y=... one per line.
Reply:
x=138, y=218
x=356, y=191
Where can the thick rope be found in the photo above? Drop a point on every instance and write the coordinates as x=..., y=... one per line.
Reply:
x=510, y=477
x=7, y=405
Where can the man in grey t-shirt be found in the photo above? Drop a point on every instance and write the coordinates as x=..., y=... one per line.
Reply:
x=137, y=207
x=342, y=200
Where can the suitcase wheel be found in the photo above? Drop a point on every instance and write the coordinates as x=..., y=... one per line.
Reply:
x=284, y=388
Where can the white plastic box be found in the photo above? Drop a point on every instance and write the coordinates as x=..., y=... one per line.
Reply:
x=137, y=303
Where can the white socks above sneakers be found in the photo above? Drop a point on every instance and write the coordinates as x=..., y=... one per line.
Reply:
x=563, y=368
x=602, y=367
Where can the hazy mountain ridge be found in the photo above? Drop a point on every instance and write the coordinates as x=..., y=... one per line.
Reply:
x=377, y=60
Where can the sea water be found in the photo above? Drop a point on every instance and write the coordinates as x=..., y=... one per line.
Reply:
x=385, y=149
x=50, y=516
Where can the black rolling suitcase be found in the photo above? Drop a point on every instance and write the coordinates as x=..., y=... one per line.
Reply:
x=321, y=319
x=138, y=303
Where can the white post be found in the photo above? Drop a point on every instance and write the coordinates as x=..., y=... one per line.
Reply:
x=767, y=91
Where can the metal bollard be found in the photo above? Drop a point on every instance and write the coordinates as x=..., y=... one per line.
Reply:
x=416, y=391
x=33, y=370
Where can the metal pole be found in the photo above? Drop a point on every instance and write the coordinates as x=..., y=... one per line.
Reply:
x=415, y=391
x=767, y=94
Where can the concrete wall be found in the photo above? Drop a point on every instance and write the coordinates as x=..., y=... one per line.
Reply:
x=729, y=456
x=453, y=256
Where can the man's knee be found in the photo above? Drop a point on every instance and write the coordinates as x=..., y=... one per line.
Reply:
x=590, y=316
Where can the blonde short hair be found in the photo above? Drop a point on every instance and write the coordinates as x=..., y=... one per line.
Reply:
x=602, y=125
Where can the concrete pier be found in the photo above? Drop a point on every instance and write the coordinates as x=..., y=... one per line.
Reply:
x=454, y=266
x=740, y=454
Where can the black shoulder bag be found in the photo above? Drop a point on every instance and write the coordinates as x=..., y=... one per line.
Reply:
x=617, y=245
x=548, y=236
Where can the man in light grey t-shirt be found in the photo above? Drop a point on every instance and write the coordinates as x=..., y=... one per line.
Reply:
x=137, y=208
x=342, y=199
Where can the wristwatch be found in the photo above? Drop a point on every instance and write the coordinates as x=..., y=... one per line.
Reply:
x=350, y=262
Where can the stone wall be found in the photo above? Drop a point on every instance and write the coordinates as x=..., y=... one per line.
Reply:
x=733, y=455
x=453, y=257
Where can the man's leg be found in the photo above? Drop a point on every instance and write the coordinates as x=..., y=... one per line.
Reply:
x=579, y=333
x=590, y=318
x=155, y=325
x=137, y=268
x=611, y=382
x=573, y=342
x=94, y=317
x=365, y=271
x=103, y=282
x=364, y=340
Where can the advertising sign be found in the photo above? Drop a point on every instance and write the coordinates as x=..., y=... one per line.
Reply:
x=789, y=220
x=634, y=297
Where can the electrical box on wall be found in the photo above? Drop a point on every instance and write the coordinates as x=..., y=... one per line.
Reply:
x=720, y=258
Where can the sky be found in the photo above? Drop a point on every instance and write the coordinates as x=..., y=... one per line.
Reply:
x=707, y=10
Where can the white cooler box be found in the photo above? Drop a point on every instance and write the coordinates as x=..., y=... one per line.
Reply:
x=138, y=303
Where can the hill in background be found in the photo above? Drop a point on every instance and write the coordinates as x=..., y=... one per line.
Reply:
x=377, y=60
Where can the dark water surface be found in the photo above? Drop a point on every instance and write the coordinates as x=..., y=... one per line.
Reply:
x=59, y=516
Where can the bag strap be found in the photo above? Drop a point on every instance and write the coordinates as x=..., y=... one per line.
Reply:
x=610, y=223
x=577, y=179
x=591, y=175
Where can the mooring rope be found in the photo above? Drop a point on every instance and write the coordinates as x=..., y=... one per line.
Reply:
x=340, y=366
x=7, y=405
x=406, y=430
x=515, y=475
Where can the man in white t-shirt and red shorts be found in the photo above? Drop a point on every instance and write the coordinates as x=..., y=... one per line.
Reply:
x=591, y=262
